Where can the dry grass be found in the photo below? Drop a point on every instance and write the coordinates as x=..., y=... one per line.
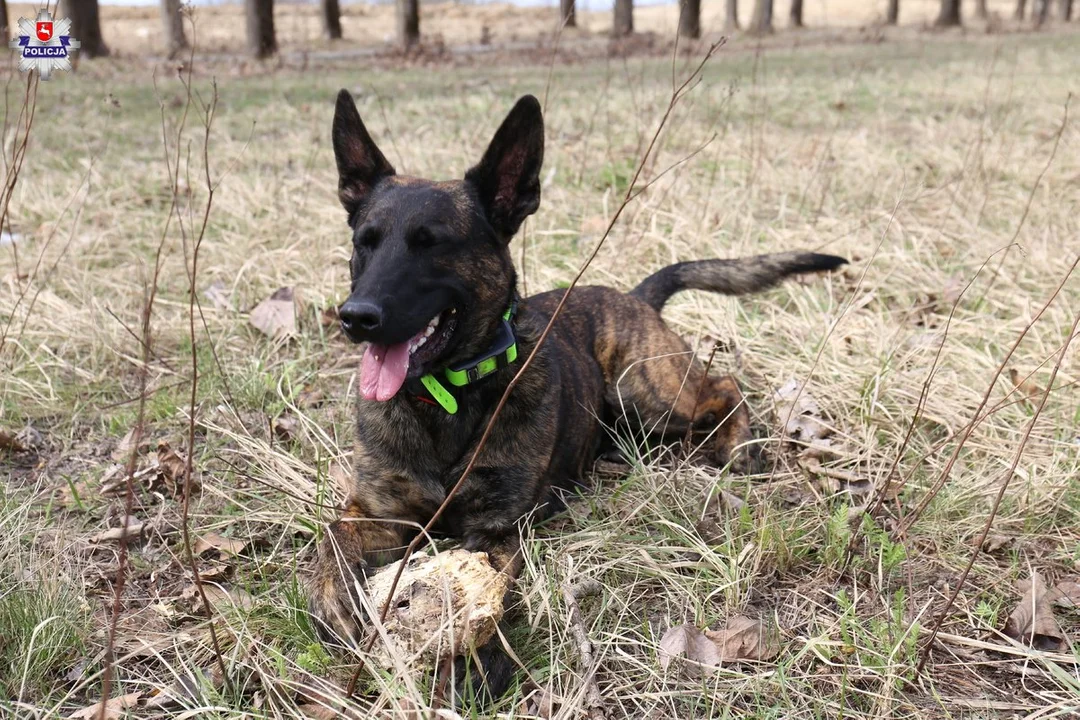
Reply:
x=917, y=160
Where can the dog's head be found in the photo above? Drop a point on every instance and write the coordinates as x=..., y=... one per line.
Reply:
x=431, y=269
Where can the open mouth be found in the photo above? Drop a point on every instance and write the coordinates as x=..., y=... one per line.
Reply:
x=386, y=367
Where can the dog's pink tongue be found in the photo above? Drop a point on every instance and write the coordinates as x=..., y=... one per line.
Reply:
x=383, y=371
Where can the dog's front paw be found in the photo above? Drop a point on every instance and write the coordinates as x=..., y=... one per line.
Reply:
x=334, y=592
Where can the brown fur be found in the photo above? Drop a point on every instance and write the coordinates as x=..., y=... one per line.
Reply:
x=609, y=361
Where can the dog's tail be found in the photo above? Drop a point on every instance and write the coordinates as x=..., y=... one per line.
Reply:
x=730, y=277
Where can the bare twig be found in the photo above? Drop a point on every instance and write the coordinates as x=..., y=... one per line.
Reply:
x=571, y=595
x=925, y=655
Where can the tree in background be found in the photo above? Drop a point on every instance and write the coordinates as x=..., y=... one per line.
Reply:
x=1021, y=7
x=331, y=19
x=1042, y=10
x=262, y=43
x=567, y=13
x=408, y=23
x=3, y=21
x=624, y=18
x=85, y=26
x=892, y=15
x=949, y=15
x=690, y=18
x=761, y=22
x=796, y=13
x=980, y=9
x=731, y=15
x=1064, y=10
x=175, y=39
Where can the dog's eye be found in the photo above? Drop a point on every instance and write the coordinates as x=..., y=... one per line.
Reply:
x=367, y=238
x=422, y=237
x=708, y=419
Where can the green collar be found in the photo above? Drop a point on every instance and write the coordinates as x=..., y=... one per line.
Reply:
x=501, y=353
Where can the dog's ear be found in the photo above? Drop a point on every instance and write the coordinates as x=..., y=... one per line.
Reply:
x=360, y=163
x=507, y=178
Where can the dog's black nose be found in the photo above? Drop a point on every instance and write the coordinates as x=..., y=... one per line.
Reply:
x=359, y=317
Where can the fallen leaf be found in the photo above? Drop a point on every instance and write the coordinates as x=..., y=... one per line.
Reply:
x=686, y=641
x=745, y=639
x=1029, y=390
x=328, y=317
x=317, y=712
x=211, y=542
x=798, y=414
x=1065, y=594
x=122, y=452
x=29, y=438
x=217, y=596
x=722, y=505
x=286, y=427
x=9, y=441
x=171, y=468
x=1033, y=620
x=218, y=295
x=537, y=703
x=113, y=709
x=997, y=543
x=275, y=317
x=132, y=528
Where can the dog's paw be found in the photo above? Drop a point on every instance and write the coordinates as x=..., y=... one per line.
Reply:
x=334, y=603
x=477, y=688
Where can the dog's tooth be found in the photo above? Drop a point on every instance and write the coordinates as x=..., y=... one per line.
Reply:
x=430, y=329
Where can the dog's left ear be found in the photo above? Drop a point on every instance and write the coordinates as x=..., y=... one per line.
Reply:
x=507, y=178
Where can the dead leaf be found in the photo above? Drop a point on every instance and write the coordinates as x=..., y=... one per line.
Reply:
x=211, y=542
x=218, y=295
x=171, y=468
x=1065, y=594
x=328, y=317
x=113, y=709
x=275, y=317
x=317, y=712
x=722, y=505
x=217, y=596
x=686, y=641
x=132, y=528
x=798, y=414
x=537, y=703
x=122, y=452
x=997, y=543
x=742, y=639
x=833, y=481
x=1032, y=621
x=9, y=441
x=286, y=427
x=745, y=639
x=1029, y=390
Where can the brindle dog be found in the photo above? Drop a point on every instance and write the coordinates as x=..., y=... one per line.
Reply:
x=432, y=279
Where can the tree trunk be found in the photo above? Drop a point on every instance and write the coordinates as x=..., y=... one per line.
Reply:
x=567, y=13
x=980, y=9
x=85, y=26
x=175, y=39
x=690, y=18
x=331, y=19
x=262, y=43
x=3, y=21
x=761, y=22
x=949, y=15
x=731, y=15
x=1021, y=7
x=1042, y=10
x=624, y=18
x=892, y=15
x=408, y=23
x=1064, y=10
x=796, y=13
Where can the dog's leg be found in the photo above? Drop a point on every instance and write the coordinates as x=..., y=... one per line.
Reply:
x=664, y=389
x=360, y=539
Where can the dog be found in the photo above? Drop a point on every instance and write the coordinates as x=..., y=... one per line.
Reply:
x=434, y=297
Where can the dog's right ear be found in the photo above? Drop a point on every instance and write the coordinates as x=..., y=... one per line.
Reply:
x=361, y=165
